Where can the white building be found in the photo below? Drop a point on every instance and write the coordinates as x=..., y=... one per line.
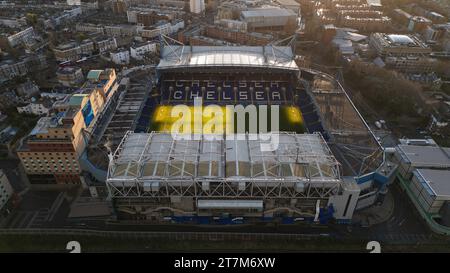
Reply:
x=73, y=2
x=165, y=28
x=21, y=37
x=197, y=6
x=120, y=56
x=6, y=190
x=268, y=17
x=232, y=24
x=138, y=51
x=34, y=108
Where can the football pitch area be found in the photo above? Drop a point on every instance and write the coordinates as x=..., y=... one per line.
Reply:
x=290, y=120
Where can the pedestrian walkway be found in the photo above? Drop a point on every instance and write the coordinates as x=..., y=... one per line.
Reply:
x=375, y=214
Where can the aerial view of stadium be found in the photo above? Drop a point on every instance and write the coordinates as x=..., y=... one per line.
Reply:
x=201, y=181
x=249, y=127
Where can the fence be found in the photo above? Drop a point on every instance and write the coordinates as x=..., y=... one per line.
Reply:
x=207, y=236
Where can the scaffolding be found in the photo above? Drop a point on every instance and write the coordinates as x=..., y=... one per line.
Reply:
x=159, y=165
x=351, y=140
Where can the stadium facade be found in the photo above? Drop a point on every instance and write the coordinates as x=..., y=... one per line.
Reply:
x=334, y=168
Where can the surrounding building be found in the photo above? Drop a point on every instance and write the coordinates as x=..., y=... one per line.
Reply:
x=6, y=190
x=197, y=6
x=357, y=14
x=73, y=51
x=21, y=37
x=290, y=4
x=37, y=108
x=270, y=19
x=119, y=6
x=27, y=89
x=120, y=56
x=424, y=171
x=397, y=45
x=105, y=44
x=82, y=27
x=65, y=17
x=411, y=64
x=120, y=30
x=163, y=27
x=138, y=51
x=51, y=151
x=69, y=75
x=238, y=37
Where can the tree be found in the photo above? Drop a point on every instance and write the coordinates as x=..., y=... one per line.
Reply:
x=31, y=18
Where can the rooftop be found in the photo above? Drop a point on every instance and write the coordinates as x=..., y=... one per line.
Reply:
x=424, y=156
x=436, y=180
x=245, y=56
x=400, y=39
x=94, y=74
x=159, y=157
x=68, y=69
x=267, y=12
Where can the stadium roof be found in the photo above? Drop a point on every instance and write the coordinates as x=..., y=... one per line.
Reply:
x=178, y=56
x=156, y=156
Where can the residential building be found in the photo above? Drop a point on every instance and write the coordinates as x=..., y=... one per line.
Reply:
x=21, y=37
x=64, y=17
x=401, y=16
x=38, y=108
x=197, y=6
x=85, y=27
x=138, y=51
x=119, y=6
x=50, y=153
x=148, y=19
x=419, y=24
x=105, y=43
x=73, y=51
x=10, y=68
x=120, y=56
x=103, y=80
x=120, y=30
x=12, y=22
x=232, y=24
x=162, y=27
x=27, y=89
x=290, y=4
x=411, y=64
x=70, y=75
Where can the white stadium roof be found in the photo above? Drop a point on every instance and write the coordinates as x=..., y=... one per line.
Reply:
x=177, y=56
x=157, y=156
